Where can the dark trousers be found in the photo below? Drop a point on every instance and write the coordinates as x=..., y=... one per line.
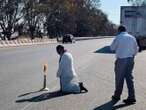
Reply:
x=123, y=70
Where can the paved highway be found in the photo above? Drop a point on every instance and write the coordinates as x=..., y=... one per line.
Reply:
x=21, y=78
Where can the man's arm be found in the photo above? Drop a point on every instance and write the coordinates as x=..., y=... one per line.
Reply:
x=58, y=73
x=62, y=64
x=60, y=69
x=136, y=47
x=114, y=45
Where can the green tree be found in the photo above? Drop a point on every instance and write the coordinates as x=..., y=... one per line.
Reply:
x=58, y=17
x=11, y=11
x=70, y=16
x=34, y=16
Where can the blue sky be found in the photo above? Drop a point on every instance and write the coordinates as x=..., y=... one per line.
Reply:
x=112, y=9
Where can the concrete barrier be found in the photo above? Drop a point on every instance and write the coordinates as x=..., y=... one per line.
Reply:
x=89, y=38
x=15, y=42
x=11, y=43
x=1, y=45
x=23, y=42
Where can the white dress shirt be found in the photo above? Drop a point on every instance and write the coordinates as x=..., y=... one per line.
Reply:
x=66, y=73
x=66, y=67
x=124, y=45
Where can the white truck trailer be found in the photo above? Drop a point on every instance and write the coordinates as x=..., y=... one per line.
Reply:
x=134, y=18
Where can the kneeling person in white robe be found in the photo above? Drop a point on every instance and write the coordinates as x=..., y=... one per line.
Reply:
x=68, y=78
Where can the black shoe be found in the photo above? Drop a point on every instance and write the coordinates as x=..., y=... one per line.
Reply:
x=82, y=87
x=115, y=99
x=129, y=101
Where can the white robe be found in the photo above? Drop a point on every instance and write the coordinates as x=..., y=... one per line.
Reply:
x=67, y=74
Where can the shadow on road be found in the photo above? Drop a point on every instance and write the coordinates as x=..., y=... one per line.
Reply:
x=110, y=106
x=29, y=93
x=121, y=106
x=107, y=106
x=42, y=97
x=104, y=50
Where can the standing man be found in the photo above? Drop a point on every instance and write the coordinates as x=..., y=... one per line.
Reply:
x=66, y=72
x=125, y=47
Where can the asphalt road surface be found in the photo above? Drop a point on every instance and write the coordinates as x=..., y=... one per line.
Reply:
x=21, y=78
